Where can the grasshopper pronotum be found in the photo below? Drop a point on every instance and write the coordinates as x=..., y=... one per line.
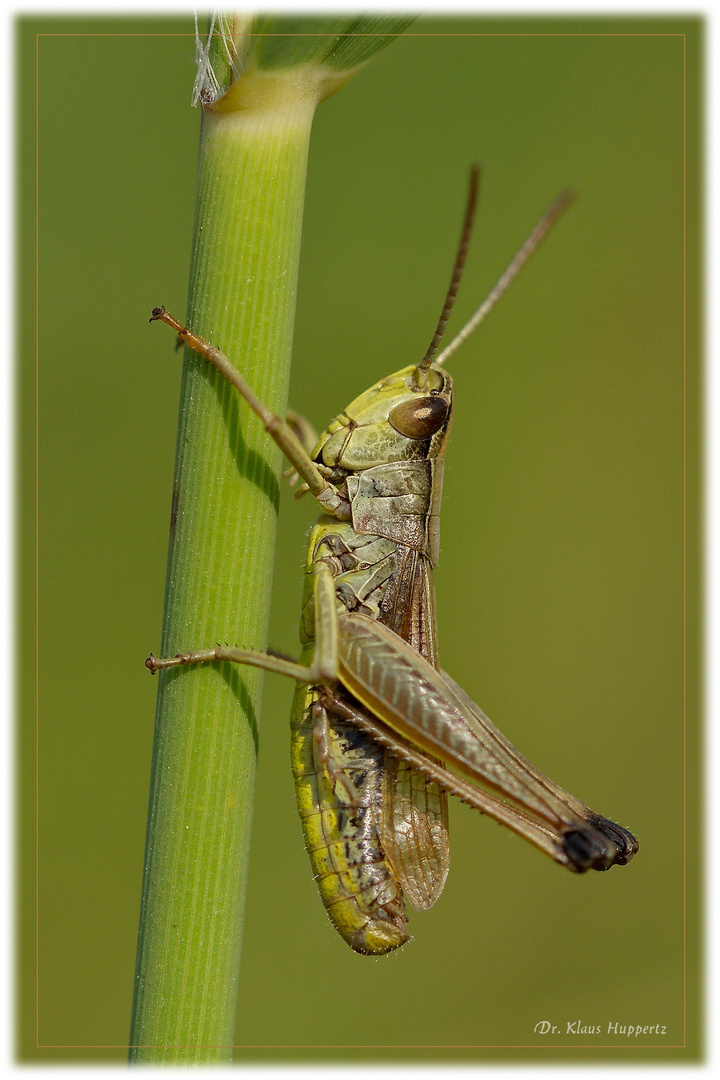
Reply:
x=377, y=726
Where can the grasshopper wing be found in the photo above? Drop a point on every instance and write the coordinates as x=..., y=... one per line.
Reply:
x=415, y=832
x=415, y=809
x=429, y=710
x=622, y=839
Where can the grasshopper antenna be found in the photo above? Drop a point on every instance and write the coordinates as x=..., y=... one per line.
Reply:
x=542, y=228
x=473, y=188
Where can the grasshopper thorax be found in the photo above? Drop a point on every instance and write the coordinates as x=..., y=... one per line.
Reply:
x=395, y=420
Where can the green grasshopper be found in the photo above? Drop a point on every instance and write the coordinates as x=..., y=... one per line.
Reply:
x=380, y=735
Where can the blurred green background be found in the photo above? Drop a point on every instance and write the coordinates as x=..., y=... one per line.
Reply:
x=561, y=597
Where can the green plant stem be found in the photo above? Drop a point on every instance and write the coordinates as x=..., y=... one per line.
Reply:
x=242, y=298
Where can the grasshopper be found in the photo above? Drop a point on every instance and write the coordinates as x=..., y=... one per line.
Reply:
x=381, y=735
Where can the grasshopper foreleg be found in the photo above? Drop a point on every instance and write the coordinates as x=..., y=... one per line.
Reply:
x=326, y=493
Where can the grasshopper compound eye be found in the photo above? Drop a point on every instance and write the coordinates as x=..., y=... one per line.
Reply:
x=419, y=418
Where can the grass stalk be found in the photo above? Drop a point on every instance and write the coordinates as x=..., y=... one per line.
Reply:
x=259, y=79
x=242, y=297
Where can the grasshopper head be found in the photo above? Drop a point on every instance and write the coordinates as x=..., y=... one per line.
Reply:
x=395, y=420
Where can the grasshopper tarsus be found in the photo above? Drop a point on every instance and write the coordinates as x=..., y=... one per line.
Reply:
x=157, y=663
x=161, y=314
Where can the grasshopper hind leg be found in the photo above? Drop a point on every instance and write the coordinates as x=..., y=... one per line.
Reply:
x=322, y=739
x=357, y=885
